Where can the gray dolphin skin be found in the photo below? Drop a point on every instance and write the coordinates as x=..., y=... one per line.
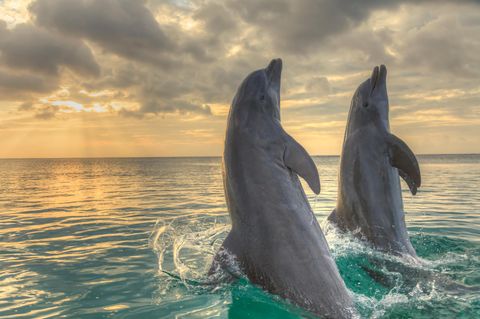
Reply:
x=275, y=238
x=369, y=202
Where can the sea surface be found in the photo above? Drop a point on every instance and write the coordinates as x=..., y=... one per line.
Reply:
x=134, y=238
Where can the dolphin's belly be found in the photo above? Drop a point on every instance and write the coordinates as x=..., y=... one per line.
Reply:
x=282, y=247
x=370, y=199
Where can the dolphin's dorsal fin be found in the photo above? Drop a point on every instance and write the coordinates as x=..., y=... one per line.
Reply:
x=298, y=160
x=402, y=157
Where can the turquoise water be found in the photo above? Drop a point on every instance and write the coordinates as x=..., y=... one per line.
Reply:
x=133, y=238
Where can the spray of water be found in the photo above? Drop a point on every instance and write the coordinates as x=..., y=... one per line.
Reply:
x=185, y=248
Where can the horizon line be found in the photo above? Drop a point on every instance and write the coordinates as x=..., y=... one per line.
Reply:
x=195, y=156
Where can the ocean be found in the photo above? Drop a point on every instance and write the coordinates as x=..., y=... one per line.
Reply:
x=134, y=238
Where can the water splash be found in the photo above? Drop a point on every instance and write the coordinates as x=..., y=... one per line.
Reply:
x=185, y=247
x=402, y=283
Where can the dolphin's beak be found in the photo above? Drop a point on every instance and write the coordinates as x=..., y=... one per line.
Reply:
x=382, y=77
x=379, y=77
x=379, y=88
x=274, y=74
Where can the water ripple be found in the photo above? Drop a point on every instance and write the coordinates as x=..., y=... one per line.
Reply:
x=134, y=238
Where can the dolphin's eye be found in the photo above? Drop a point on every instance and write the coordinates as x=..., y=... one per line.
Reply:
x=365, y=104
x=262, y=97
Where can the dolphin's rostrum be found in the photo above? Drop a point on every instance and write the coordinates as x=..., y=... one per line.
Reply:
x=369, y=199
x=275, y=237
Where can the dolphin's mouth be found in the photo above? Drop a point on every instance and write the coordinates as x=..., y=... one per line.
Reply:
x=378, y=77
x=374, y=78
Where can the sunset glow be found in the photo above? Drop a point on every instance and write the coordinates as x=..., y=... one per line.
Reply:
x=156, y=78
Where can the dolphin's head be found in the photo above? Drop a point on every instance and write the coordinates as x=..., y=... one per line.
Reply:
x=370, y=102
x=259, y=93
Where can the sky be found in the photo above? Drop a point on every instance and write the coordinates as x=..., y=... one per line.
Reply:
x=156, y=78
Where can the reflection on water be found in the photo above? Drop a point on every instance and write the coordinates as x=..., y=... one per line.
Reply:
x=133, y=238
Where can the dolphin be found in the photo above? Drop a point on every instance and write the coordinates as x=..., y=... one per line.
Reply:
x=369, y=201
x=275, y=238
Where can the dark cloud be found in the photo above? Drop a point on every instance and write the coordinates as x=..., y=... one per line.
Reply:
x=46, y=112
x=25, y=106
x=153, y=92
x=122, y=76
x=26, y=47
x=302, y=26
x=126, y=28
x=17, y=86
x=440, y=48
x=217, y=19
x=131, y=113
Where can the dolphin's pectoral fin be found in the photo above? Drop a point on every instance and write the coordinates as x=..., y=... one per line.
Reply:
x=298, y=160
x=411, y=184
x=402, y=157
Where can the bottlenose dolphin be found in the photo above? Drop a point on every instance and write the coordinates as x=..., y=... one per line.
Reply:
x=275, y=238
x=369, y=202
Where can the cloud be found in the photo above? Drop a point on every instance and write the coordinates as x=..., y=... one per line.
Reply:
x=25, y=106
x=19, y=85
x=217, y=22
x=318, y=84
x=179, y=57
x=302, y=26
x=46, y=112
x=437, y=47
x=126, y=28
x=41, y=111
x=154, y=107
x=26, y=47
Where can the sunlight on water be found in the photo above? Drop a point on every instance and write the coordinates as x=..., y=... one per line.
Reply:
x=134, y=238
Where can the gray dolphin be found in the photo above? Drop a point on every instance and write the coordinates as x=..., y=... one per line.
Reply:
x=369, y=202
x=275, y=238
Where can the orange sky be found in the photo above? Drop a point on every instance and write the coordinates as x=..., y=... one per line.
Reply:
x=156, y=78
